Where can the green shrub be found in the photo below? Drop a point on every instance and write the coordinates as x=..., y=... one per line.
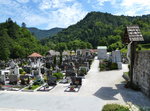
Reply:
x=113, y=66
x=58, y=75
x=115, y=107
x=21, y=71
x=83, y=71
x=107, y=65
x=103, y=66
x=139, y=47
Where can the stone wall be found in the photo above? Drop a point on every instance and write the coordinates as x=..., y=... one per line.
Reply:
x=141, y=75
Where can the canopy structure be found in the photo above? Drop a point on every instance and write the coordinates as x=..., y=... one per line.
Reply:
x=35, y=55
x=131, y=37
x=132, y=34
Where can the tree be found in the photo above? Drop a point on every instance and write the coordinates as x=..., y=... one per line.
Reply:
x=4, y=53
x=88, y=45
x=23, y=25
x=60, y=47
x=17, y=42
x=18, y=51
x=4, y=45
x=9, y=20
x=102, y=29
x=50, y=45
x=82, y=45
x=74, y=45
x=78, y=44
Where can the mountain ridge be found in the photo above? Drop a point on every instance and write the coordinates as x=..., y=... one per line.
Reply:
x=41, y=33
x=97, y=28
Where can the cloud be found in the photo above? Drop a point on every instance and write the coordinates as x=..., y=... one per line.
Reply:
x=43, y=14
x=36, y=1
x=135, y=7
x=101, y=2
x=129, y=3
x=35, y=20
x=4, y=2
x=125, y=7
x=49, y=4
x=67, y=16
x=47, y=14
x=23, y=1
x=62, y=13
x=9, y=8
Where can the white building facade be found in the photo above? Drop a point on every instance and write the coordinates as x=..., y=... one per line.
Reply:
x=102, y=52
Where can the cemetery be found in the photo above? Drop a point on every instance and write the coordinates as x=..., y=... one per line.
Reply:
x=66, y=72
x=43, y=73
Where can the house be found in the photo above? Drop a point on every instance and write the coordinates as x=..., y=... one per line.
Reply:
x=52, y=53
x=85, y=52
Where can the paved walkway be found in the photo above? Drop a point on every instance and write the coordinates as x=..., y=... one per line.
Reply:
x=98, y=89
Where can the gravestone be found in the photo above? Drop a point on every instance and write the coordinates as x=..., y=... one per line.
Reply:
x=76, y=81
x=116, y=58
x=70, y=69
x=12, y=64
x=2, y=79
x=16, y=70
x=13, y=79
x=51, y=80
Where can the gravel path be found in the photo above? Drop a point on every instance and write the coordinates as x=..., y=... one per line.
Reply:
x=98, y=89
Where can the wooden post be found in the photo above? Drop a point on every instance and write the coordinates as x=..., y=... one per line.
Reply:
x=133, y=51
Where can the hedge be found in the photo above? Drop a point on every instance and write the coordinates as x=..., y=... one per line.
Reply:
x=115, y=107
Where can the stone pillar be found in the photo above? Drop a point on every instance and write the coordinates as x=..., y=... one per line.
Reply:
x=133, y=51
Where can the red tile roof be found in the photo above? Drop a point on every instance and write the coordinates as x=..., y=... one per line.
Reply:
x=35, y=55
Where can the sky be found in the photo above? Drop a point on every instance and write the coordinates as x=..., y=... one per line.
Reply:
x=47, y=14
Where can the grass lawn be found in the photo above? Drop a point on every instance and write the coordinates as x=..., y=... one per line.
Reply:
x=142, y=47
x=33, y=87
x=145, y=46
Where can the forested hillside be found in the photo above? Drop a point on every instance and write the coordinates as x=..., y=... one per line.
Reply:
x=103, y=29
x=96, y=29
x=17, y=42
x=40, y=34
